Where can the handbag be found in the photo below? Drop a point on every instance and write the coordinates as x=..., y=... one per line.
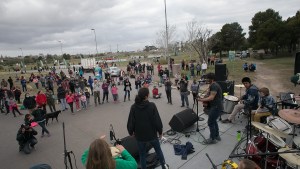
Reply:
x=188, y=92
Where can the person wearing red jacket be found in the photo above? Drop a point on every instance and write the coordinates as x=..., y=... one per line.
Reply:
x=41, y=100
x=155, y=93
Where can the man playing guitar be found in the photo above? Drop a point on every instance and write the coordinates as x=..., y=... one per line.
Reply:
x=214, y=110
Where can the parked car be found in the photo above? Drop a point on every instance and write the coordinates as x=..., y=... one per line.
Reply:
x=114, y=71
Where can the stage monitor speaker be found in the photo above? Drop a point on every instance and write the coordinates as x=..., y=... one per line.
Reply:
x=227, y=87
x=297, y=63
x=220, y=72
x=183, y=120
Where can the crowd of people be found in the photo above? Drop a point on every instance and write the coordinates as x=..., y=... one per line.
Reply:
x=76, y=89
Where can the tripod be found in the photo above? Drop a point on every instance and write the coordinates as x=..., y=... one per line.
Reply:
x=67, y=156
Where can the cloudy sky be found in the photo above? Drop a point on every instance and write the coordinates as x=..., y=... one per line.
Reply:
x=37, y=26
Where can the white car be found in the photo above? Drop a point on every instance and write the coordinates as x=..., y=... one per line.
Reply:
x=114, y=71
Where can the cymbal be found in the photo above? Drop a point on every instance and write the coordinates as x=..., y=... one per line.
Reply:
x=290, y=115
x=269, y=130
x=239, y=85
x=290, y=157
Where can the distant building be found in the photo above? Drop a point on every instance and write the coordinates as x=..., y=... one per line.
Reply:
x=150, y=48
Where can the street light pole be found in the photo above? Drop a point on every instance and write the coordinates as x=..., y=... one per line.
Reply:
x=61, y=47
x=22, y=51
x=95, y=41
x=167, y=37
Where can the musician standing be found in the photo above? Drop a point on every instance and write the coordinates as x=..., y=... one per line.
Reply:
x=215, y=108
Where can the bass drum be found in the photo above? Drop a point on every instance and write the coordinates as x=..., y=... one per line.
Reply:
x=258, y=145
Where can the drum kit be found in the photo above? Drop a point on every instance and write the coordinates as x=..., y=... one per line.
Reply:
x=270, y=149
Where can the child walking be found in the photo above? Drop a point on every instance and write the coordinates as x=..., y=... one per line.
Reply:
x=77, y=100
x=114, y=92
x=70, y=100
x=13, y=106
x=83, y=101
x=87, y=95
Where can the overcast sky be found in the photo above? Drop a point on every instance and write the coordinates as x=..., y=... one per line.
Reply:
x=36, y=26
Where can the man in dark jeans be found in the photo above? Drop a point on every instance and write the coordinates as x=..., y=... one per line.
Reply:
x=215, y=108
x=39, y=117
x=145, y=125
x=183, y=88
x=26, y=139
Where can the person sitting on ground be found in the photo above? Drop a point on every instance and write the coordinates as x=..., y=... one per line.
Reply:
x=155, y=93
x=99, y=156
x=26, y=139
x=266, y=105
x=29, y=102
x=248, y=164
x=252, y=67
x=245, y=66
x=248, y=101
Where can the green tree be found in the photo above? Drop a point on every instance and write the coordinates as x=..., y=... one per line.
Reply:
x=66, y=56
x=232, y=36
x=292, y=26
x=260, y=21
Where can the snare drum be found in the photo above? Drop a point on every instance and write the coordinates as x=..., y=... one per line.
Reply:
x=258, y=145
x=280, y=124
x=229, y=103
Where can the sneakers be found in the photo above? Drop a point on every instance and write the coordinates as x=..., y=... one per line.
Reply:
x=226, y=121
x=209, y=141
x=218, y=138
x=182, y=106
x=165, y=166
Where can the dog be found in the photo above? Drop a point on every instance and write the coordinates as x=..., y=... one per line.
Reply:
x=52, y=116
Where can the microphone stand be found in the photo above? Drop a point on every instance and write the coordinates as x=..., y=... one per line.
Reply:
x=113, y=136
x=67, y=156
x=199, y=118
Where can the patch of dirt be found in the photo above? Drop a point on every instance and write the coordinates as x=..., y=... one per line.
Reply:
x=270, y=78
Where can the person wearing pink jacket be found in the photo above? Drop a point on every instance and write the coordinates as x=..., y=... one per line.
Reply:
x=70, y=100
x=114, y=92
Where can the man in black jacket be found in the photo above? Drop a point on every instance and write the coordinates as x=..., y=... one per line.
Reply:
x=145, y=124
x=26, y=139
x=11, y=83
x=183, y=88
x=61, y=95
x=29, y=102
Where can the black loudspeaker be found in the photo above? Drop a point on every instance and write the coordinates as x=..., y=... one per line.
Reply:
x=183, y=120
x=297, y=63
x=227, y=87
x=220, y=72
x=130, y=144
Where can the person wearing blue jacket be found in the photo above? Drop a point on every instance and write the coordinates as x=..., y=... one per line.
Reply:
x=247, y=101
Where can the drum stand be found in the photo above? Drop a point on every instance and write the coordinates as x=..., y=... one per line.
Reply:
x=248, y=128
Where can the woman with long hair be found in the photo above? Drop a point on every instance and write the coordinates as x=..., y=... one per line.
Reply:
x=99, y=156
x=145, y=124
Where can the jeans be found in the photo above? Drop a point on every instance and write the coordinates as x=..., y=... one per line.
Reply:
x=71, y=107
x=83, y=104
x=52, y=106
x=127, y=92
x=142, y=152
x=213, y=115
x=105, y=95
x=25, y=146
x=24, y=88
x=63, y=104
x=91, y=87
x=169, y=96
x=97, y=97
x=184, y=97
x=44, y=129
